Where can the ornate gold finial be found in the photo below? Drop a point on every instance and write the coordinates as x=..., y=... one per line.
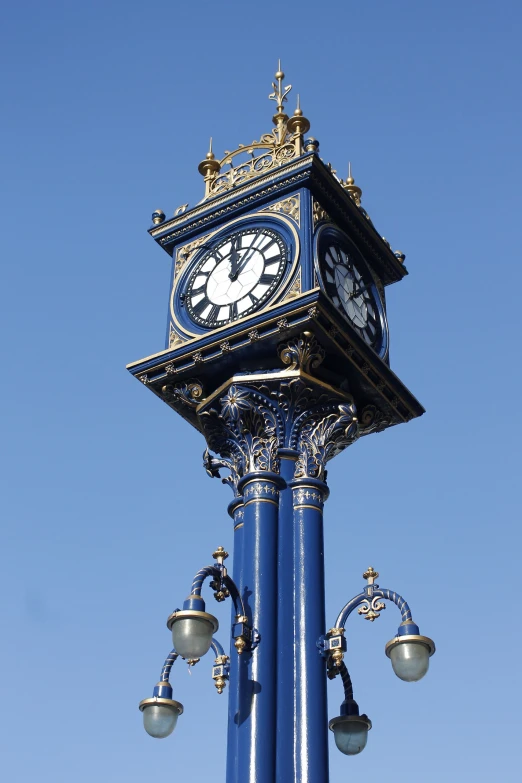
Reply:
x=158, y=216
x=274, y=149
x=354, y=191
x=298, y=125
x=280, y=92
x=370, y=575
x=220, y=555
x=208, y=168
x=280, y=97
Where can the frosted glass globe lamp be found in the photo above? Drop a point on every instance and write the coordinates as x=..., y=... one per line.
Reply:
x=410, y=653
x=192, y=632
x=351, y=733
x=160, y=716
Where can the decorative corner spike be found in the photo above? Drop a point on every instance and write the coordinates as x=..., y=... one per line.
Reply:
x=220, y=555
x=370, y=575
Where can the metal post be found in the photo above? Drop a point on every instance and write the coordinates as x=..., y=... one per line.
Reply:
x=257, y=673
x=311, y=722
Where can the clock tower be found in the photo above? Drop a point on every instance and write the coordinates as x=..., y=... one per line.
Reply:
x=277, y=352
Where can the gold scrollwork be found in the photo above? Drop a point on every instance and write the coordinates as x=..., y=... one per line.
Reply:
x=184, y=253
x=372, y=610
x=318, y=213
x=289, y=206
x=190, y=393
x=294, y=290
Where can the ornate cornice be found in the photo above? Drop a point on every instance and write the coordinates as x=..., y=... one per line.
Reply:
x=264, y=186
x=253, y=420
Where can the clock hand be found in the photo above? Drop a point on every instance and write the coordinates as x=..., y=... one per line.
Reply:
x=359, y=291
x=234, y=257
x=246, y=258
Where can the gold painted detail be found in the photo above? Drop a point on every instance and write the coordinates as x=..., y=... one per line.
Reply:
x=352, y=189
x=175, y=339
x=336, y=655
x=321, y=438
x=240, y=645
x=253, y=336
x=231, y=206
x=294, y=290
x=302, y=496
x=282, y=324
x=318, y=213
x=189, y=393
x=289, y=206
x=225, y=347
x=372, y=609
x=370, y=575
x=144, y=379
x=184, y=254
x=272, y=150
x=374, y=420
x=220, y=555
x=302, y=353
x=256, y=490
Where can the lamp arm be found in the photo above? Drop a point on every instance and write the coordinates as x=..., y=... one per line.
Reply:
x=235, y=595
x=368, y=594
x=202, y=574
x=216, y=647
x=398, y=600
x=348, y=609
x=217, y=573
x=167, y=666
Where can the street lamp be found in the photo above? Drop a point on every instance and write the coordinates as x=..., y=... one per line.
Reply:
x=192, y=630
x=160, y=711
x=350, y=728
x=408, y=651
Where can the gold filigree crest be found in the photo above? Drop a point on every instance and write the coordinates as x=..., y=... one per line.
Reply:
x=271, y=150
x=290, y=206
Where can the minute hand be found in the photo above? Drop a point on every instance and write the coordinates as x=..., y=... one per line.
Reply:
x=246, y=258
x=359, y=291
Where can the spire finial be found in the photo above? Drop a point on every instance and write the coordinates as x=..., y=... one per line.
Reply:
x=280, y=92
x=370, y=575
x=210, y=154
x=354, y=191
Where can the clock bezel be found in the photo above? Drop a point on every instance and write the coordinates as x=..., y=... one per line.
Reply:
x=334, y=235
x=178, y=312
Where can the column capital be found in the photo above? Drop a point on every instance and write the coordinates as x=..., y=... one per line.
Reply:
x=254, y=420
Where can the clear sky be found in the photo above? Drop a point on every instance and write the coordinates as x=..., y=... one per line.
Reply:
x=106, y=512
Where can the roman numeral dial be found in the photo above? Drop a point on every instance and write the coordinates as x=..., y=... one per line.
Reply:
x=235, y=277
x=350, y=285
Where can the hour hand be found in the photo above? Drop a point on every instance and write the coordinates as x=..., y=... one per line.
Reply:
x=234, y=259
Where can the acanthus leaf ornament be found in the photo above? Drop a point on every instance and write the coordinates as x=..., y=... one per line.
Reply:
x=303, y=353
x=322, y=437
x=189, y=393
x=244, y=430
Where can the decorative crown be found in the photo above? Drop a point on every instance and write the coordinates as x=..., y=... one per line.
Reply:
x=283, y=143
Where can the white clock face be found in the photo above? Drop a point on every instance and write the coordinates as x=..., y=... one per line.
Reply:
x=350, y=286
x=236, y=276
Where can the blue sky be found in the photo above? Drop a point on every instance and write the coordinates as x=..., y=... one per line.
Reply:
x=107, y=110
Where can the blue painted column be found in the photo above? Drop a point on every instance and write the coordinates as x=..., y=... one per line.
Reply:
x=310, y=746
x=236, y=511
x=257, y=671
x=285, y=739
